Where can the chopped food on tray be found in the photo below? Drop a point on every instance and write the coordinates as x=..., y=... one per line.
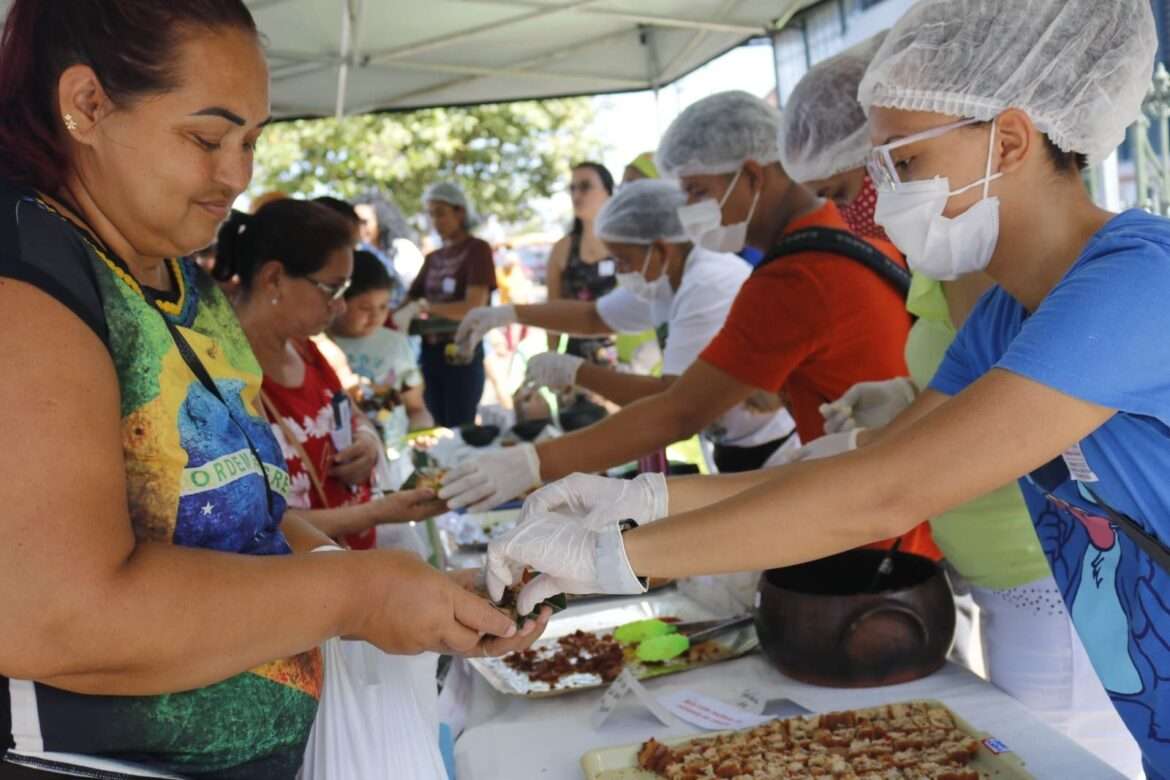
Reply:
x=914, y=741
x=605, y=654
x=578, y=653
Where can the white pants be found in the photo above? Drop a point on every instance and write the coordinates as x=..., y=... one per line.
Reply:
x=1032, y=652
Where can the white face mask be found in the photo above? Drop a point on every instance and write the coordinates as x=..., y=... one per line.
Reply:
x=703, y=223
x=658, y=291
x=935, y=246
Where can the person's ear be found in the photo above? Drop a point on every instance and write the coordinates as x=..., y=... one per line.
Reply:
x=1016, y=139
x=753, y=174
x=267, y=281
x=82, y=103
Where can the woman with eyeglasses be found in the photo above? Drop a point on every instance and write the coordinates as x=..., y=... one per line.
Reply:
x=455, y=278
x=580, y=267
x=982, y=113
x=294, y=260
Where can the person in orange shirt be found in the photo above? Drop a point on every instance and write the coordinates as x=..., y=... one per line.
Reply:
x=822, y=312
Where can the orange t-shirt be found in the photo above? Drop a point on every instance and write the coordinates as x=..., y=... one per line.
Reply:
x=813, y=324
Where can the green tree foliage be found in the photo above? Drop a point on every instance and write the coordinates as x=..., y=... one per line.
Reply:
x=504, y=155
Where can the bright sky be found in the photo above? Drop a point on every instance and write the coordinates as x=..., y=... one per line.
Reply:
x=630, y=124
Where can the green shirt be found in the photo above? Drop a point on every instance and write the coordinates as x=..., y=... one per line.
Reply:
x=990, y=541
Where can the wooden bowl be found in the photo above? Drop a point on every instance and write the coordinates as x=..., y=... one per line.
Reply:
x=817, y=625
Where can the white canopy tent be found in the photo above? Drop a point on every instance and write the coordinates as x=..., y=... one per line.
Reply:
x=356, y=56
x=333, y=57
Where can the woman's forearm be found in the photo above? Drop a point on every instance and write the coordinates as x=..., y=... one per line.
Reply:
x=577, y=318
x=146, y=627
x=622, y=389
x=695, y=492
x=338, y=521
x=1001, y=427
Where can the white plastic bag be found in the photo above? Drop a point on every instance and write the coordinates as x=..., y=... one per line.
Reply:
x=378, y=717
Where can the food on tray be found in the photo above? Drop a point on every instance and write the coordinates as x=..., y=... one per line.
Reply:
x=915, y=741
x=604, y=655
x=578, y=653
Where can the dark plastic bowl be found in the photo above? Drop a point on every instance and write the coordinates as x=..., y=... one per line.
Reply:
x=817, y=624
x=581, y=415
x=530, y=429
x=479, y=435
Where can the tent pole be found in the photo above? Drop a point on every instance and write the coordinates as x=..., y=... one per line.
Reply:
x=349, y=20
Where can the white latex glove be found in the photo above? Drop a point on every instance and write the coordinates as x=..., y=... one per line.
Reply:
x=594, y=501
x=571, y=557
x=476, y=324
x=869, y=405
x=491, y=479
x=552, y=369
x=405, y=314
x=827, y=446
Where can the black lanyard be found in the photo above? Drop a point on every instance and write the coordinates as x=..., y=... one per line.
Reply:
x=185, y=350
x=1138, y=535
x=197, y=368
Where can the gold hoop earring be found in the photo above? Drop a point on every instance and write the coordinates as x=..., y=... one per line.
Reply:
x=70, y=123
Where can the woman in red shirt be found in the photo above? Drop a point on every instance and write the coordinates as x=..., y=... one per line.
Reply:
x=294, y=261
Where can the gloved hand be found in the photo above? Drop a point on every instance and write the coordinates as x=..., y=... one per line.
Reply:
x=406, y=313
x=869, y=405
x=571, y=557
x=827, y=446
x=552, y=369
x=491, y=479
x=595, y=501
x=476, y=324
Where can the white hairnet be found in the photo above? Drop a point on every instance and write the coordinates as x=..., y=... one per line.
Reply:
x=718, y=134
x=452, y=194
x=1078, y=68
x=824, y=131
x=642, y=212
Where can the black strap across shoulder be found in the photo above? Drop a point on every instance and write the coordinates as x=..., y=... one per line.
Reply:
x=200, y=371
x=845, y=244
x=1138, y=535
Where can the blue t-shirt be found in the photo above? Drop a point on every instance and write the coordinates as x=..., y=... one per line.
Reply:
x=1101, y=335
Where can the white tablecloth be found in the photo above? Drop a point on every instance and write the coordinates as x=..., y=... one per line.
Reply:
x=510, y=737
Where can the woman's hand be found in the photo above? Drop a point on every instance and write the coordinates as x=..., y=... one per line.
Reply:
x=410, y=607
x=405, y=506
x=355, y=463
x=472, y=580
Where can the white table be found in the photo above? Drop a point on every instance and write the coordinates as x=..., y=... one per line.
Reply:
x=510, y=737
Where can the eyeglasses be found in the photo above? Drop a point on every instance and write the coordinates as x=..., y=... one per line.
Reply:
x=880, y=165
x=333, y=292
x=581, y=187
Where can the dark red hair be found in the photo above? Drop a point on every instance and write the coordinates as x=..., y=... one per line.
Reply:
x=130, y=44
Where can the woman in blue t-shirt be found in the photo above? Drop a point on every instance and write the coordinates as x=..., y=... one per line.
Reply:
x=983, y=113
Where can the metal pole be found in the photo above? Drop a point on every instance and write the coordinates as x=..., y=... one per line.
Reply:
x=774, y=35
x=343, y=68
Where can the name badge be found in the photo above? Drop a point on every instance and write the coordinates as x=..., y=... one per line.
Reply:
x=1078, y=467
x=606, y=267
x=449, y=285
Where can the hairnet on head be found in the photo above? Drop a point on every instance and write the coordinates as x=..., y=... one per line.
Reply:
x=718, y=134
x=450, y=193
x=642, y=212
x=823, y=130
x=1078, y=68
